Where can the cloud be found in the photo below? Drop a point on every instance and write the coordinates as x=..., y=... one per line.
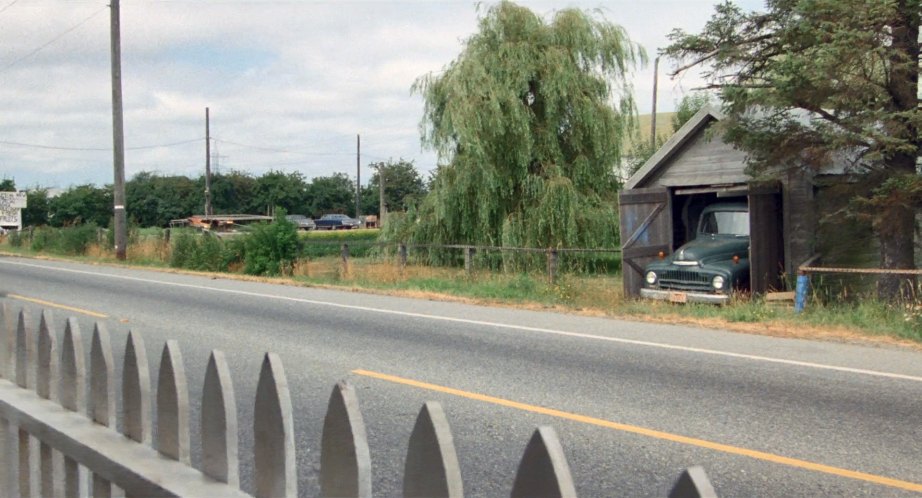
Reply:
x=289, y=83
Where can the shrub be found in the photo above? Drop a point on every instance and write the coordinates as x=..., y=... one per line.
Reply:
x=15, y=238
x=184, y=248
x=71, y=240
x=203, y=252
x=272, y=249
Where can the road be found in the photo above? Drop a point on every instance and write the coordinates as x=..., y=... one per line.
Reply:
x=633, y=403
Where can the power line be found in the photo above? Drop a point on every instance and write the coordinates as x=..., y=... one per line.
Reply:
x=95, y=149
x=56, y=38
x=282, y=151
x=7, y=6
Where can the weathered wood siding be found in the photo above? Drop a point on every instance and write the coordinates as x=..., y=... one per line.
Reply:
x=766, y=256
x=646, y=229
x=800, y=221
x=704, y=160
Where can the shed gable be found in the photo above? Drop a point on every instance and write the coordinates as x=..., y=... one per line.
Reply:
x=705, y=159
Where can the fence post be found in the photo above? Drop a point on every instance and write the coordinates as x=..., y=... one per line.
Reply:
x=7, y=436
x=693, y=483
x=172, y=405
x=344, y=252
x=431, y=467
x=469, y=259
x=73, y=397
x=402, y=250
x=102, y=394
x=136, y=391
x=552, y=262
x=273, y=431
x=219, y=423
x=46, y=379
x=345, y=460
x=25, y=378
x=543, y=470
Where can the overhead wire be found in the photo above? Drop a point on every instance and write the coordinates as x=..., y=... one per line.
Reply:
x=97, y=149
x=56, y=38
x=8, y=6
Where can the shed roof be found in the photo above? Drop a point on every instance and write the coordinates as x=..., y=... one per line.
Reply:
x=703, y=159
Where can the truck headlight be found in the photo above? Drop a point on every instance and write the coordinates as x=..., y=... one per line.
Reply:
x=718, y=282
x=650, y=277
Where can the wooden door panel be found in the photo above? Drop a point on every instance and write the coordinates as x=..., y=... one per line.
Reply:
x=646, y=229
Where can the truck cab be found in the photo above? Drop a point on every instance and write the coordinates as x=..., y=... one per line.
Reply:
x=711, y=266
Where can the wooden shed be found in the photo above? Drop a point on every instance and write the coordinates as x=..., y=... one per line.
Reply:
x=661, y=203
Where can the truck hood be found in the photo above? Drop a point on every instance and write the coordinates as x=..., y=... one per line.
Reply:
x=712, y=247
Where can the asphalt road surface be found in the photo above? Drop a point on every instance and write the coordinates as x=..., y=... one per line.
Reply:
x=632, y=403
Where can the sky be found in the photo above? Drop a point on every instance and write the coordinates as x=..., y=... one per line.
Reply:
x=289, y=84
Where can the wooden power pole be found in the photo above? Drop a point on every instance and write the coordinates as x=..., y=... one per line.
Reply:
x=358, y=175
x=208, y=211
x=653, y=117
x=381, y=206
x=118, y=136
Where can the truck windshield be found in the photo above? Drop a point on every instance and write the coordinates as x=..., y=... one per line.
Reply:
x=725, y=223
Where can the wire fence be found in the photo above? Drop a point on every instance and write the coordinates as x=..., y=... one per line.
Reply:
x=553, y=261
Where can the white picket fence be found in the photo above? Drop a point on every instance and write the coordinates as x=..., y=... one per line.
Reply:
x=58, y=440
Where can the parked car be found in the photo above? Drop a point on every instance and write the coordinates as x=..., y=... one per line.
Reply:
x=708, y=268
x=301, y=221
x=337, y=222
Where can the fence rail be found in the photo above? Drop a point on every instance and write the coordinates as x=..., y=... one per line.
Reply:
x=58, y=440
x=469, y=251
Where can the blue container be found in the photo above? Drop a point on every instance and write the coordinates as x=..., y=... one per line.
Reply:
x=800, y=293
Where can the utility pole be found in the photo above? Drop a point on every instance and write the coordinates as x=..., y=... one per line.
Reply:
x=358, y=175
x=208, y=210
x=381, y=207
x=118, y=136
x=653, y=118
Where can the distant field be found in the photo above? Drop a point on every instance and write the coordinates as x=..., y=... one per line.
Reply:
x=663, y=124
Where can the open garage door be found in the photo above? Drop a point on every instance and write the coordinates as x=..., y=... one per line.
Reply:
x=646, y=229
x=766, y=251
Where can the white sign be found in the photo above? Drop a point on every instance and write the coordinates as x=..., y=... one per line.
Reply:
x=12, y=200
x=11, y=205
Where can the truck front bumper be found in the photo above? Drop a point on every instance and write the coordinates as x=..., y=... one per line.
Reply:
x=684, y=296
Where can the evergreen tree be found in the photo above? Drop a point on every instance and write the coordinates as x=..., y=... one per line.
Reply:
x=809, y=83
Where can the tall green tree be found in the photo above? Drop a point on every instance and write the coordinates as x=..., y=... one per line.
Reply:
x=275, y=188
x=7, y=185
x=528, y=124
x=153, y=200
x=233, y=193
x=403, y=187
x=331, y=194
x=807, y=83
x=37, y=207
x=81, y=204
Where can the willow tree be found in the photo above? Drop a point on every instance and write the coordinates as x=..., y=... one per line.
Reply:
x=528, y=123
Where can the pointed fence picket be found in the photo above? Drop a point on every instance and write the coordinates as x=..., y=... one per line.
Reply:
x=58, y=440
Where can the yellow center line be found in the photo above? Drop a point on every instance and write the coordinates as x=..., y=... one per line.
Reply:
x=643, y=431
x=59, y=306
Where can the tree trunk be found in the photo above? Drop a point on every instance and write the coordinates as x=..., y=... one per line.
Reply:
x=897, y=252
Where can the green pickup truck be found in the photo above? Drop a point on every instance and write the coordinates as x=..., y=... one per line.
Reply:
x=708, y=268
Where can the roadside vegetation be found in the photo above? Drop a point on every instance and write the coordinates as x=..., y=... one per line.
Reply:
x=314, y=259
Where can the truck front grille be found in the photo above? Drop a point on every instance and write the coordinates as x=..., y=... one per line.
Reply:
x=685, y=280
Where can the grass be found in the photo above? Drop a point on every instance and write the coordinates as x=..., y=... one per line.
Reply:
x=855, y=320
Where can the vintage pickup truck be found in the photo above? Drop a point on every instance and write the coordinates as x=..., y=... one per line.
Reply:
x=708, y=268
x=337, y=222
